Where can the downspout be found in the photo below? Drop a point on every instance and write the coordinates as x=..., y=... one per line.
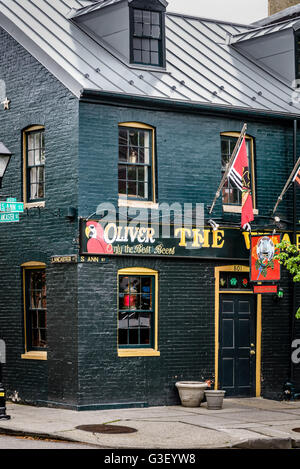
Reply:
x=294, y=242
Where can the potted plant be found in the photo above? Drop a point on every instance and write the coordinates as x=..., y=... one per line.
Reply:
x=191, y=393
x=214, y=397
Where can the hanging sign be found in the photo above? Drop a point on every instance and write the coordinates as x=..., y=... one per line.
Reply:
x=265, y=289
x=263, y=266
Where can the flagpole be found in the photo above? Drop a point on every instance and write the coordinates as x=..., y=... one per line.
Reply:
x=286, y=185
x=229, y=164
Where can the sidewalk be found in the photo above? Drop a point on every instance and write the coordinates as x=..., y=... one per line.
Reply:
x=250, y=423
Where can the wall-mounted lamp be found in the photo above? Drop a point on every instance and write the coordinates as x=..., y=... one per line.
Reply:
x=213, y=224
x=71, y=213
x=5, y=156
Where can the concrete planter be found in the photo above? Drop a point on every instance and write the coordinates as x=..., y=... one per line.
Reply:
x=191, y=393
x=214, y=399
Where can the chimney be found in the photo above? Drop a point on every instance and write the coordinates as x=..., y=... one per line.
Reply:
x=278, y=5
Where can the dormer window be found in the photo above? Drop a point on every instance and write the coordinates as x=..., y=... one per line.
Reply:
x=147, y=37
x=132, y=30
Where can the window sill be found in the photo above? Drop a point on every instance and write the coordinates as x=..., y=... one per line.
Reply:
x=34, y=204
x=236, y=209
x=138, y=352
x=34, y=355
x=137, y=203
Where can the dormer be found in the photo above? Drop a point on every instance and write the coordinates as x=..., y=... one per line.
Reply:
x=275, y=47
x=134, y=30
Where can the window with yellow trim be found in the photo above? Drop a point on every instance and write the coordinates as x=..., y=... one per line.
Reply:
x=137, y=309
x=231, y=195
x=33, y=164
x=35, y=308
x=136, y=166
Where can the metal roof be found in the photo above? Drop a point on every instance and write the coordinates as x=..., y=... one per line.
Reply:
x=201, y=67
x=266, y=30
x=98, y=5
x=288, y=13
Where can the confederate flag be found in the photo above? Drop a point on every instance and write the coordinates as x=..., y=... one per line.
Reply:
x=239, y=176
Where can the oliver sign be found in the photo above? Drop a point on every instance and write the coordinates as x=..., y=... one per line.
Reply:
x=121, y=238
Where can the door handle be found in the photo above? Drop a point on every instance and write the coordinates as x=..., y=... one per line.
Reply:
x=252, y=352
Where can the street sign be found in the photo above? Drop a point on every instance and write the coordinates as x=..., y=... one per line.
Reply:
x=265, y=289
x=11, y=206
x=9, y=217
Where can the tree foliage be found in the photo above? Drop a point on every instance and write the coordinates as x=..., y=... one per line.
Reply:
x=289, y=257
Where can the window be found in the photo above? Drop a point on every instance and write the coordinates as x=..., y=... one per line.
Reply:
x=35, y=307
x=137, y=311
x=231, y=195
x=136, y=172
x=34, y=164
x=147, y=37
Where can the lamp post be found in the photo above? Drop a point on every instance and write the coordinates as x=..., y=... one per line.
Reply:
x=3, y=415
x=5, y=155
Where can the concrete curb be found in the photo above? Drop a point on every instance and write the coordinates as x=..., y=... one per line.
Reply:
x=265, y=443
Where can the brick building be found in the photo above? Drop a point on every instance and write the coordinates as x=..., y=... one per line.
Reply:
x=122, y=103
x=278, y=5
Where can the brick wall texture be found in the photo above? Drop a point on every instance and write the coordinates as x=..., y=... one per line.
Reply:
x=277, y=5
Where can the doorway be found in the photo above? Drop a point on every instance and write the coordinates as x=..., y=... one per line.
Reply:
x=237, y=345
x=237, y=333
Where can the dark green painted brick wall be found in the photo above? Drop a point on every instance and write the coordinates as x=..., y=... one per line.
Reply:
x=38, y=98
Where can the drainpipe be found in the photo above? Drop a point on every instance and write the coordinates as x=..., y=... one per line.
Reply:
x=294, y=242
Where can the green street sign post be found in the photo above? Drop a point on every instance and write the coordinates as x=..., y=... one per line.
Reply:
x=9, y=217
x=11, y=205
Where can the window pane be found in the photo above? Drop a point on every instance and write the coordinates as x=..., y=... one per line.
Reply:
x=122, y=187
x=147, y=17
x=133, y=138
x=123, y=337
x=123, y=137
x=138, y=15
x=131, y=173
x=133, y=336
x=122, y=172
x=146, y=300
x=155, y=32
x=145, y=57
x=137, y=43
x=122, y=153
x=138, y=29
x=155, y=18
x=30, y=157
x=154, y=45
x=137, y=55
x=154, y=58
x=145, y=336
x=133, y=319
x=145, y=44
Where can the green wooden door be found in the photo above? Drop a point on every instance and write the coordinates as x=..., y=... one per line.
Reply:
x=237, y=345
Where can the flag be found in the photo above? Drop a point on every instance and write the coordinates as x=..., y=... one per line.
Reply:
x=240, y=177
x=296, y=178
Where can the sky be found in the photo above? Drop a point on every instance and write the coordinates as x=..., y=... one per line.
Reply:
x=238, y=11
